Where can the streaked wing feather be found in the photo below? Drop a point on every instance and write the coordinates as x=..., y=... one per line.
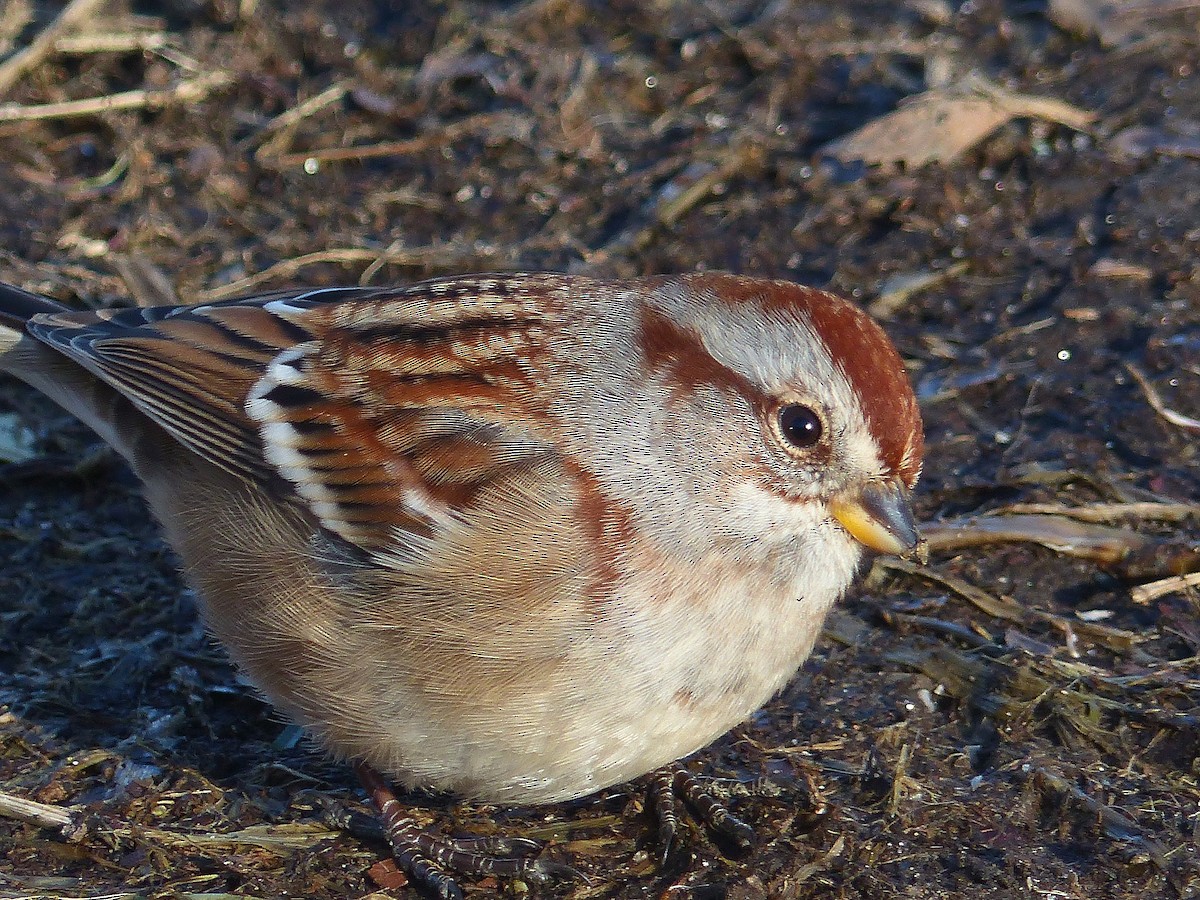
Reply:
x=402, y=409
x=215, y=428
x=187, y=372
x=388, y=412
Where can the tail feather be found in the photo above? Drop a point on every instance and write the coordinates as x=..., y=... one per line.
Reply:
x=66, y=383
x=17, y=306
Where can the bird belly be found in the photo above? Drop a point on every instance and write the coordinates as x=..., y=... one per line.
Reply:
x=649, y=681
x=451, y=687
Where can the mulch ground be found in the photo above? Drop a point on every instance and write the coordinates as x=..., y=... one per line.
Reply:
x=1013, y=188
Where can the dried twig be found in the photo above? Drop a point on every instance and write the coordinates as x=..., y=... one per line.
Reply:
x=41, y=814
x=184, y=92
x=1108, y=512
x=344, y=256
x=76, y=12
x=275, y=134
x=1145, y=593
x=1155, y=400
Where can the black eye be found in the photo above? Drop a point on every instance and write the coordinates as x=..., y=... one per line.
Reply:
x=800, y=426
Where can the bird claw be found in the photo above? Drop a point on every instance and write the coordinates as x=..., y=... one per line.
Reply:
x=432, y=861
x=673, y=789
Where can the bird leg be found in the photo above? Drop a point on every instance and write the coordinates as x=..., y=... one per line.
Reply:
x=673, y=788
x=433, y=860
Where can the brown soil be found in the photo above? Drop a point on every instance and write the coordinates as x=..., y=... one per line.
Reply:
x=1040, y=741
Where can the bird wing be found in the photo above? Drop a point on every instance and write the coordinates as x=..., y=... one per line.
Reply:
x=385, y=412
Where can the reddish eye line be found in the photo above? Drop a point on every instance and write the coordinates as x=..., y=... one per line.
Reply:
x=670, y=347
x=866, y=356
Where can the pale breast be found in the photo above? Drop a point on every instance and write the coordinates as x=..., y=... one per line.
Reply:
x=663, y=667
x=526, y=689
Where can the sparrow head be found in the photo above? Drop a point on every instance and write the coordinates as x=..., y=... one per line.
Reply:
x=788, y=408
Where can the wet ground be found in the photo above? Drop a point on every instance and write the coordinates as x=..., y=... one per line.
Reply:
x=1012, y=721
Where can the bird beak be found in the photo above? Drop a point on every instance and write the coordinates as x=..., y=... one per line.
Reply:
x=880, y=517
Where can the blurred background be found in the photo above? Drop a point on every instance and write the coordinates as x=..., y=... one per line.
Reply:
x=1011, y=187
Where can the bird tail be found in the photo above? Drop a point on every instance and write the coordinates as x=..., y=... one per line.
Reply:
x=65, y=382
x=16, y=308
x=18, y=305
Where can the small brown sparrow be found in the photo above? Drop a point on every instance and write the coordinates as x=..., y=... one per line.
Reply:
x=519, y=537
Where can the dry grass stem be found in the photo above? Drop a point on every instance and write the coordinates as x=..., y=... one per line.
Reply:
x=895, y=292
x=185, y=92
x=277, y=134
x=1034, y=107
x=295, y=836
x=15, y=16
x=436, y=255
x=977, y=597
x=41, y=814
x=111, y=42
x=1145, y=593
x=1107, y=814
x=1155, y=400
x=1102, y=544
x=675, y=199
x=21, y=62
x=1007, y=610
x=417, y=140
x=1107, y=512
x=504, y=123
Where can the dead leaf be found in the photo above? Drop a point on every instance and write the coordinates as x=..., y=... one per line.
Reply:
x=387, y=875
x=1117, y=23
x=932, y=128
x=940, y=125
